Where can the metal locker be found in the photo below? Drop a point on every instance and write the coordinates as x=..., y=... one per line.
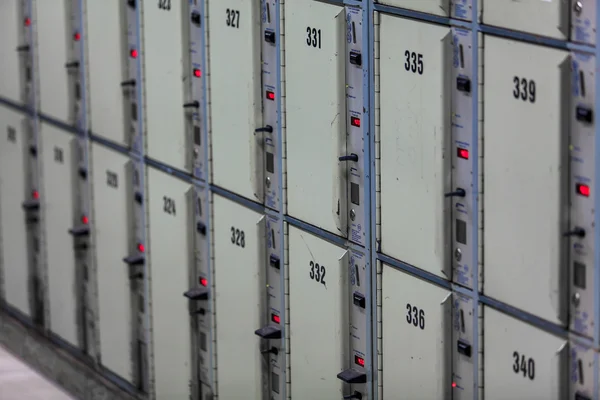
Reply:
x=319, y=301
x=13, y=229
x=415, y=138
x=58, y=163
x=10, y=25
x=446, y=8
x=164, y=46
x=525, y=188
x=236, y=25
x=170, y=206
x=316, y=114
x=106, y=70
x=521, y=361
x=112, y=219
x=416, y=321
x=53, y=49
x=239, y=268
x=581, y=371
x=551, y=17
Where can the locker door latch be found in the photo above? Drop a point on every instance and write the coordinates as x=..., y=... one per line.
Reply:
x=351, y=157
x=80, y=231
x=134, y=260
x=578, y=232
x=272, y=350
x=199, y=293
x=268, y=129
x=130, y=82
x=269, y=332
x=192, y=104
x=355, y=395
x=31, y=205
x=23, y=48
x=352, y=376
x=457, y=193
x=73, y=64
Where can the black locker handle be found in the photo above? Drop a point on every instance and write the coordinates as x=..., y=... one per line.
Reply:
x=269, y=332
x=134, y=260
x=199, y=293
x=351, y=157
x=31, y=205
x=352, y=376
x=268, y=129
x=130, y=82
x=457, y=193
x=80, y=231
x=193, y=104
x=73, y=64
x=355, y=395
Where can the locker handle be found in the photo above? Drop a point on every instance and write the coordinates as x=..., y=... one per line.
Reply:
x=23, y=48
x=268, y=129
x=352, y=376
x=578, y=232
x=31, y=205
x=351, y=157
x=131, y=3
x=80, y=231
x=269, y=332
x=197, y=294
x=272, y=350
x=130, y=82
x=193, y=104
x=355, y=395
x=134, y=260
x=139, y=275
x=201, y=228
x=73, y=64
x=457, y=193
x=584, y=114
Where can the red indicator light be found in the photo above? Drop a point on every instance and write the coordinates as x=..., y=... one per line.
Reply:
x=85, y=220
x=35, y=194
x=275, y=318
x=359, y=361
x=197, y=73
x=77, y=36
x=204, y=282
x=27, y=21
x=355, y=121
x=583, y=190
x=453, y=384
x=462, y=153
x=270, y=95
x=133, y=53
x=141, y=247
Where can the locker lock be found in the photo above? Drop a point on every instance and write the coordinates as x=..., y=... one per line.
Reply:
x=270, y=37
x=355, y=58
x=578, y=232
x=463, y=348
x=128, y=83
x=274, y=261
x=131, y=3
x=355, y=395
x=23, y=48
x=359, y=300
x=138, y=197
x=33, y=151
x=457, y=193
x=201, y=228
x=193, y=104
x=268, y=129
x=73, y=64
x=463, y=84
x=584, y=114
x=351, y=157
x=195, y=18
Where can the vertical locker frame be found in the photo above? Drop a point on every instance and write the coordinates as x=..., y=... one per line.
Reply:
x=597, y=207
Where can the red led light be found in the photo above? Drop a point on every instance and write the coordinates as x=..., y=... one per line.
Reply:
x=27, y=22
x=77, y=36
x=204, y=282
x=133, y=53
x=275, y=318
x=355, y=121
x=35, y=194
x=462, y=153
x=270, y=95
x=85, y=219
x=359, y=361
x=583, y=190
x=141, y=247
x=453, y=384
x=197, y=73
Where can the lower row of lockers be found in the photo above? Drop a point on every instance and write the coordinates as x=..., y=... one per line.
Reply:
x=156, y=315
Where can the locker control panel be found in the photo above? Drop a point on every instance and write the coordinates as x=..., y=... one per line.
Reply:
x=135, y=261
x=582, y=194
x=201, y=302
x=581, y=372
x=355, y=374
x=130, y=85
x=25, y=54
x=462, y=347
x=583, y=21
x=194, y=102
x=272, y=330
x=355, y=146
x=267, y=133
x=459, y=193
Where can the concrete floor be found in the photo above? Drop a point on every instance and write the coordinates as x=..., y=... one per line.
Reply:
x=19, y=382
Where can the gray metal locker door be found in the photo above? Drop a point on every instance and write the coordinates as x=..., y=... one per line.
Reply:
x=171, y=256
x=525, y=167
x=240, y=290
x=10, y=25
x=416, y=325
x=319, y=325
x=316, y=109
x=166, y=138
x=111, y=241
x=415, y=136
x=52, y=18
x=236, y=104
x=521, y=361
x=436, y=7
x=14, y=251
x=58, y=169
x=105, y=62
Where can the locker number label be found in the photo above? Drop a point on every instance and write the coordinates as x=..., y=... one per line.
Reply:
x=524, y=365
x=112, y=180
x=164, y=5
x=58, y=155
x=233, y=18
x=238, y=237
x=524, y=89
x=169, y=205
x=313, y=37
x=413, y=62
x=415, y=316
x=11, y=134
x=317, y=272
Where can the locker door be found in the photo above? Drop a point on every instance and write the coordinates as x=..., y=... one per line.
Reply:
x=551, y=17
x=236, y=114
x=437, y=7
x=319, y=333
x=58, y=166
x=163, y=55
x=171, y=255
x=9, y=57
x=12, y=219
x=52, y=36
x=521, y=361
x=239, y=274
x=105, y=63
x=316, y=108
x=111, y=229
x=416, y=337
x=525, y=199
x=415, y=133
